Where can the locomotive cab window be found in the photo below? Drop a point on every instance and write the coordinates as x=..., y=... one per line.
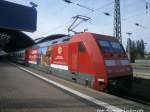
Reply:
x=117, y=47
x=81, y=47
x=110, y=47
x=105, y=46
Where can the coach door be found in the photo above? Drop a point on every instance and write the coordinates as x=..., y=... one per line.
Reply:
x=73, y=57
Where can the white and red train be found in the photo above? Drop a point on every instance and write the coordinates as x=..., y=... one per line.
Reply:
x=90, y=59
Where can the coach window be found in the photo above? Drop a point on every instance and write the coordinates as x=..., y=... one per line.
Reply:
x=54, y=42
x=81, y=47
x=66, y=40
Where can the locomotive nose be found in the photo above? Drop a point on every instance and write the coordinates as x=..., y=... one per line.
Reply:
x=118, y=67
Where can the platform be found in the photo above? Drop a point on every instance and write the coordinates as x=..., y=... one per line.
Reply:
x=141, y=69
x=22, y=89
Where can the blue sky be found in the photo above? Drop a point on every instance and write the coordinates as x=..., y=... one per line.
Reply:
x=55, y=16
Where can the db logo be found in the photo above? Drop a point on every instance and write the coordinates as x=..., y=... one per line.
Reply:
x=59, y=50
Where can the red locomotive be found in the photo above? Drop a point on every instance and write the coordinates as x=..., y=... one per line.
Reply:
x=90, y=59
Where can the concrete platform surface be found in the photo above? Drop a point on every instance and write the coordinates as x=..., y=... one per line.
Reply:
x=20, y=91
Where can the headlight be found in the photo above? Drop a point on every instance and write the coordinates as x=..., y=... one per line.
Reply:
x=124, y=62
x=110, y=62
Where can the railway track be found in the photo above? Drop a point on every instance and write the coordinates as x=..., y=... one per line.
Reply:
x=137, y=100
x=128, y=95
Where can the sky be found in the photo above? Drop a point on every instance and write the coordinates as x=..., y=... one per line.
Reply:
x=55, y=16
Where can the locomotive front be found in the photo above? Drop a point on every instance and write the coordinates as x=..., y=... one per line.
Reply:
x=116, y=61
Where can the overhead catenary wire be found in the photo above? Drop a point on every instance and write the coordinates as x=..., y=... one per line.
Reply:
x=99, y=8
x=64, y=24
x=96, y=11
x=55, y=28
x=109, y=14
x=139, y=27
x=137, y=15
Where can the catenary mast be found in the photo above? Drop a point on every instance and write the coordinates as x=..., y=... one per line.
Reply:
x=117, y=21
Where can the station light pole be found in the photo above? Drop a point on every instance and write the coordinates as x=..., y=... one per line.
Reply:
x=129, y=45
x=145, y=47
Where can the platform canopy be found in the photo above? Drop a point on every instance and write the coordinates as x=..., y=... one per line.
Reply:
x=12, y=40
x=15, y=18
x=49, y=38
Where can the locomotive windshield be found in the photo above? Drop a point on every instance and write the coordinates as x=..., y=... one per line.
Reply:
x=117, y=47
x=109, y=46
x=105, y=46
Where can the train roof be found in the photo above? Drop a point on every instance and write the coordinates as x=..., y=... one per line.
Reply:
x=100, y=36
x=96, y=36
x=105, y=37
x=61, y=38
x=49, y=38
